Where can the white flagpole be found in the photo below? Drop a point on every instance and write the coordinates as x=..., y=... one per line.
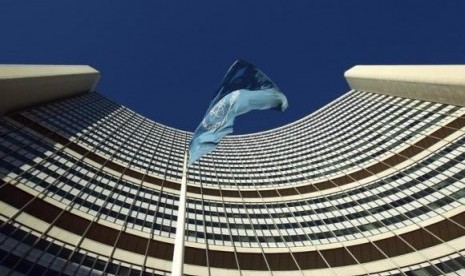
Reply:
x=178, y=254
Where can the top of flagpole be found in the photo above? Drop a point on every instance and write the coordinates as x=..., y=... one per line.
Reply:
x=177, y=264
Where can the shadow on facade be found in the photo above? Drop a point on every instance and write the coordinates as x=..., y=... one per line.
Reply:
x=30, y=134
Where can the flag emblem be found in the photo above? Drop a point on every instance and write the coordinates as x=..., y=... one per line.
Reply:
x=244, y=88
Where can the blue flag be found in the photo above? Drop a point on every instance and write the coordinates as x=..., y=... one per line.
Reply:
x=244, y=88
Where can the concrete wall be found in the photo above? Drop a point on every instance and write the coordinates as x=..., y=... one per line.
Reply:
x=434, y=83
x=27, y=85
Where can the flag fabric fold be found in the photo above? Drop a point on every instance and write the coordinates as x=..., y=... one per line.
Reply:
x=244, y=88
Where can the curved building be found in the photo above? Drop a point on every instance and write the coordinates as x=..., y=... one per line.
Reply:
x=372, y=183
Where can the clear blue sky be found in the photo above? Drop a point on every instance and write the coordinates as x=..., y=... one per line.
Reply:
x=165, y=59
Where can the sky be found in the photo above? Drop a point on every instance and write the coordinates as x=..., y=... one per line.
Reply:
x=165, y=59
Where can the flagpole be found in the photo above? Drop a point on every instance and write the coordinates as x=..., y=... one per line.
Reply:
x=178, y=254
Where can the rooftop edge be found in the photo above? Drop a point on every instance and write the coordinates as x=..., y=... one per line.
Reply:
x=28, y=85
x=435, y=83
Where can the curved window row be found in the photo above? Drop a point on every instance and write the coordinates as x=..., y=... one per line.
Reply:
x=284, y=167
x=355, y=132
x=93, y=191
x=26, y=251
x=449, y=265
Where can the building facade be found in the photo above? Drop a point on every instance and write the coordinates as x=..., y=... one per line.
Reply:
x=372, y=183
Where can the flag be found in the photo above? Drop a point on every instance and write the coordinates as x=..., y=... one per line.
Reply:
x=244, y=88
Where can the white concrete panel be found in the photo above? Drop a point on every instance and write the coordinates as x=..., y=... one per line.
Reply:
x=434, y=83
x=27, y=85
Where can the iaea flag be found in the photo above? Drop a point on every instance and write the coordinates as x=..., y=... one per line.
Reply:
x=244, y=88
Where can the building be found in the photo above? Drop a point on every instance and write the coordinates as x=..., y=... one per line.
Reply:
x=372, y=183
